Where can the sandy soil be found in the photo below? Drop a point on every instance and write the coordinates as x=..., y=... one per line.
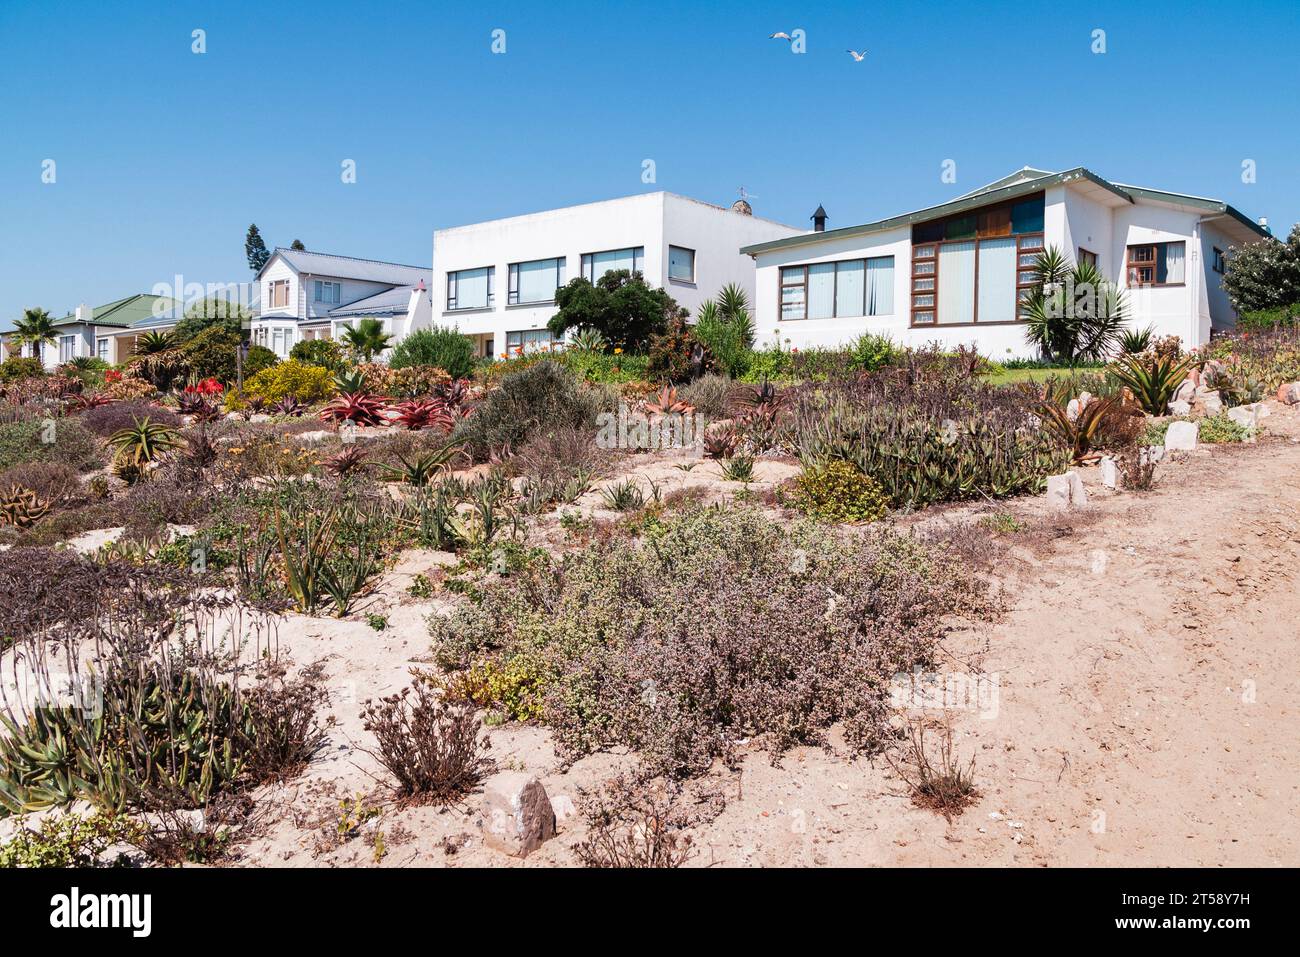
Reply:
x=1143, y=710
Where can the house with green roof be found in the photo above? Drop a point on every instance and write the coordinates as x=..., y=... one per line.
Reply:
x=88, y=331
x=959, y=273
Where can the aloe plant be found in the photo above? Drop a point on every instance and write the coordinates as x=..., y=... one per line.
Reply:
x=1153, y=378
x=141, y=443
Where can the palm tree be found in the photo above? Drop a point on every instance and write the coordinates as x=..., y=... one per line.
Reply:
x=366, y=339
x=1073, y=312
x=733, y=307
x=35, y=328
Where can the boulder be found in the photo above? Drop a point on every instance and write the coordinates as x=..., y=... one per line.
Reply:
x=1078, y=495
x=1212, y=404
x=1185, y=392
x=1182, y=436
x=517, y=815
x=1180, y=407
x=1247, y=416
x=1110, y=472
x=1288, y=393
x=1058, y=491
x=1072, y=409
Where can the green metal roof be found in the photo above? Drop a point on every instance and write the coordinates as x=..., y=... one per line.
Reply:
x=121, y=312
x=1008, y=187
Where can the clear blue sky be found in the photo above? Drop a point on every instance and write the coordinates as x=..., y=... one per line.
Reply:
x=164, y=157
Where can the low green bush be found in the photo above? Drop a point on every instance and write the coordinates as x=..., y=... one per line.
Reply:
x=65, y=441
x=838, y=491
x=546, y=393
x=443, y=348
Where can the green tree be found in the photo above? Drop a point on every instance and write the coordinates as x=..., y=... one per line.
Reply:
x=203, y=314
x=1264, y=275
x=298, y=246
x=318, y=352
x=445, y=348
x=35, y=329
x=621, y=306
x=366, y=339
x=255, y=249
x=1073, y=313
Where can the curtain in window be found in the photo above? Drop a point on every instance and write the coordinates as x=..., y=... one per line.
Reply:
x=1170, y=266
x=997, y=292
x=615, y=259
x=880, y=286
x=821, y=291
x=957, y=282
x=472, y=288
x=848, y=289
x=537, y=281
x=681, y=263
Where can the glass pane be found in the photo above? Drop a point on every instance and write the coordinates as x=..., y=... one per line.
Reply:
x=923, y=252
x=957, y=283
x=922, y=285
x=923, y=301
x=923, y=269
x=537, y=281
x=681, y=263
x=923, y=318
x=849, y=286
x=1031, y=242
x=997, y=280
x=791, y=275
x=880, y=286
x=792, y=302
x=1027, y=259
x=821, y=290
x=1027, y=216
x=472, y=288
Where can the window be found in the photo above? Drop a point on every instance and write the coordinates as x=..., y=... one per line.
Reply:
x=471, y=288
x=528, y=340
x=681, y=264
x=1087, y=258
x=101, y=349
x=1156, y=264
x=1220, y=261
x=281, y=341
x=330, y=293
x=854, y=287
x=535, y=281
x=595, y=265
x=67, y=348
x=279, y=293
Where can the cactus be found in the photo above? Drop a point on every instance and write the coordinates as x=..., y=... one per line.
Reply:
x=22, y=507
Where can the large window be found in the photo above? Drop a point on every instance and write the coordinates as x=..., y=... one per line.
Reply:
x=528, y=340
x=535, y=281
x=1156, y=264
x=67, y=348
x=976, y=267
x=681, y=264
x=852, y=288
x=471, y=288
x=595, y=265
x=330, y=293
x=279, y=293
x=101, y=349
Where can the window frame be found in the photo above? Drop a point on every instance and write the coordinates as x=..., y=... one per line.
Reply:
x=1153, y=264
x=1219, y=261
x=587, y=261
x=782, y=286
x=1027, y=244
x=71, y=342
x=685, y=249
x=276, y=285
x=452, y=298
x=103, y=347
x=522, y=344
x=512, y=280
x=1088, y=256
x=322, y=285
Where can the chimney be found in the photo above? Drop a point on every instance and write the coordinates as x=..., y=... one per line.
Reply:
x=85, y=314
x=819, y=220
x=1263, y=224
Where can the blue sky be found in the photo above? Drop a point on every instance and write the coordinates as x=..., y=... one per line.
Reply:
x=164, y=157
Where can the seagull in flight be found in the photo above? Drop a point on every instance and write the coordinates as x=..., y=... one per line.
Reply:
x=780, y=35
x=858, y=57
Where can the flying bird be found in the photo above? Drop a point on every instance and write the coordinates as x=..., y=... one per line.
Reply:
x=780, y=36
x=858, y=57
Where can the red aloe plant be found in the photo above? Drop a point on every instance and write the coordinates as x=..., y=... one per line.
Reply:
x=360, y=408
x=423, y=414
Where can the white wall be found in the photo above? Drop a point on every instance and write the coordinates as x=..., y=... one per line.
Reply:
x=652, y=221
x=1215, y=299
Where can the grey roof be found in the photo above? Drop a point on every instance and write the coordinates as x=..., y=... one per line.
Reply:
x=348, y=267
x=1020, y=183
x=390, y=302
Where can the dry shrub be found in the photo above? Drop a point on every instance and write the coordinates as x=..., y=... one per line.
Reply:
x=554, y=455
x=631, y=823
x=429, y=745
x=53, y=481
x=720, y=624
x=940, y=783
x=104, y=420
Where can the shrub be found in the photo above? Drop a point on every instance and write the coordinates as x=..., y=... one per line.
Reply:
x=1270, y=358
x=412, y=382
x=326, y=353
x=677, y=356
x=1153, y=377
x=1264, y=274
x=1266, y=320
x=708, y=395
x=940, y=783
x=125, y=388
x=786, y=631
x=631, y=824
x=212, y=353
x=545, y=394
x=871, y=352
x=104, y=420
x=621, y=306
x=55, y=482
x=70, y=840
x=1219, y=429
x=21, y=367
x=553, y=455
x=430, y=746
x=439, y=347
x=838, y=492
x=726, y=339
x=604, y=367
x=27, y=441
x=306, y=383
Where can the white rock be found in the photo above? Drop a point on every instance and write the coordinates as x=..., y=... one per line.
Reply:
x=1185, y=392
x=1078, y=495
x=1182, y=436
x=1213, y=404
x=1152, y=453
x=1058, y=491
x=1110, y=472
x=564, y=807
x=1180, y=407
x=1072, y=409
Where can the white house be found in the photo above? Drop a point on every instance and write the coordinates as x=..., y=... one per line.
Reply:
x=956, y=273
x=496, y=280
x=92, y=331
x=306, y=295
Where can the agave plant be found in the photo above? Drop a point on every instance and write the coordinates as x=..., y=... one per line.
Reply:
x=1073, y=313
x=83, y=401
x=1134, y=342
x=720, y=443
x=197, y=405
x=349, y=459
x=1081, y=434
x=417, y=414
x=623, y=496
x=588, y=339
x=288, y=406
x=350, y=380
x=359, y=408
x=668, y=403
x=419, y=468
x=1153, y=378
x=141, y=443
x=738, y=469
x=21, y=507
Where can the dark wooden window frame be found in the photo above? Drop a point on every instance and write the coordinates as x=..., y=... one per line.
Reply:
x=782, y=285
x=1086, y=256
x=1130, y=265
x=1026, y=243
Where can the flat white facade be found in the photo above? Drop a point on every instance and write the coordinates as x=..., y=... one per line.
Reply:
x=496, y=280
x=956, y=271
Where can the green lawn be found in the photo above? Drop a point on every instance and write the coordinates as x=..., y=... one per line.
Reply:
x=1009, y=376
